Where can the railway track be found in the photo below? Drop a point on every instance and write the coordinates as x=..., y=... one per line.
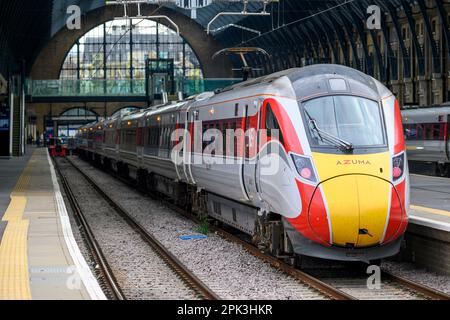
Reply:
x=391, y=287
x=189, y=279
x=348, y=286
x=345, y=287
x=97, y=253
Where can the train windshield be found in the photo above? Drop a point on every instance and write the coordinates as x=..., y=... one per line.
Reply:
x=335, y=121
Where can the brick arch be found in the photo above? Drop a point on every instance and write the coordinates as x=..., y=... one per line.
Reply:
x=49, y=61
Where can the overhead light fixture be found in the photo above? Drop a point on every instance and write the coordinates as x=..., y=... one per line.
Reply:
x=236, y=26
x=126, y=3
x=244, y=12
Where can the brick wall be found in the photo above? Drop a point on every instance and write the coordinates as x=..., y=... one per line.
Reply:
x=428, y=247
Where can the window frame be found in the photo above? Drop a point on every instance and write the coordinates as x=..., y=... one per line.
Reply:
x=358, y=149
x=74, y=65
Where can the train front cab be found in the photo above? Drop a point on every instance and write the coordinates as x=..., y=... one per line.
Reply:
x=353, y=201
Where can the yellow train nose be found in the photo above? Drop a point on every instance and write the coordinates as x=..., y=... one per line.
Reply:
x=358, y=207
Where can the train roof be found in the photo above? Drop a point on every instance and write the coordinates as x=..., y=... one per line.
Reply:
x=424, y=115
x=314, y=80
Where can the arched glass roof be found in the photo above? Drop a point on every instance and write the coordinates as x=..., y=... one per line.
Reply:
x=118, y=49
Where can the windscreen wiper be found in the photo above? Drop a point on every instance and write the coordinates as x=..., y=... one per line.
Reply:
x=326, y=137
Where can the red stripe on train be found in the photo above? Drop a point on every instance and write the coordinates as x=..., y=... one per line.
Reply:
x=313, y=221
x=399, y=138
x=397, y=216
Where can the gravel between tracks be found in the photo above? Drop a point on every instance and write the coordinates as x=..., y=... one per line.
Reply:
x=225, y=267
x=138, y=269
x=417, y=274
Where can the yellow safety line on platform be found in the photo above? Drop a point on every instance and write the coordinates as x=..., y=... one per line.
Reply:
x=14, y=276
x=431, y=210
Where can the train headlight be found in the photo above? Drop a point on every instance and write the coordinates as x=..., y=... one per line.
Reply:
x=398, y=166
x=304, y=167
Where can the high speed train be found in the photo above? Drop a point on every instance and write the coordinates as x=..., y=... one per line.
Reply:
x=327, y=178
x=427, y=133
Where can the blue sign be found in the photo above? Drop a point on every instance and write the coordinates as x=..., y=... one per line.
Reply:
x=193, y=237
x=4, y=117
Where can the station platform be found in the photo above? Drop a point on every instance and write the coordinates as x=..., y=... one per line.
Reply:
x=430, y=201
x=427, y=240
x=39, y=257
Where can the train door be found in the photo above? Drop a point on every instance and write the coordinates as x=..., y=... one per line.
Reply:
x=140, y=142
x=188, y=155
x=250, y=156
x=447, y=138
x=180, y=142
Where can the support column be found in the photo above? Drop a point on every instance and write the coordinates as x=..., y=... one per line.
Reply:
x=409, y=91
x=17, y=120
x=436, y=89
x=397, y=90
x=423, y=90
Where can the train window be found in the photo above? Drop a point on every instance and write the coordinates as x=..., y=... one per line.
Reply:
x=353, y=119
x=425, y=131
x=411, y=131
x=436, y=132
x=428, y=131
x=420, y=132
x=204, y=143
x=271, y=124
x=271, y=121
x=139, y=135
x=217, y=208
x=225, y=127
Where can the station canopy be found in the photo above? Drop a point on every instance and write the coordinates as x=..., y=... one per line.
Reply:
x=26, y=26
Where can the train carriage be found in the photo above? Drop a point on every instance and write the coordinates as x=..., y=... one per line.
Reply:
x=307, y=161
x=427, y=134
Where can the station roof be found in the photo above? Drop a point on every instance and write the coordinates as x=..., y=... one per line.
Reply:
x=26, y=25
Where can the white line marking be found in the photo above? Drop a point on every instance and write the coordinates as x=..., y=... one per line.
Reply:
x=89, y=281
x=429, y=223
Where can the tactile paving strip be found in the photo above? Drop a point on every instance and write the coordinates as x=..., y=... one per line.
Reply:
x=14, y=277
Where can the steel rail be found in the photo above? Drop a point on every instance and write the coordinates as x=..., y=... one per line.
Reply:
x=303, y=277
x=416, y=287
x=92, y=243
x=173, y=262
